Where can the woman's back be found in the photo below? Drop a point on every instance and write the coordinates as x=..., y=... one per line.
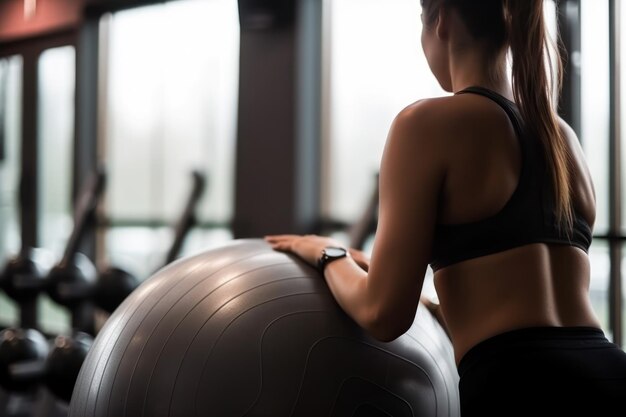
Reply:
x=536, y=284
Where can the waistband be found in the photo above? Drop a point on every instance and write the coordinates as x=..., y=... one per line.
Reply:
x=581, y=336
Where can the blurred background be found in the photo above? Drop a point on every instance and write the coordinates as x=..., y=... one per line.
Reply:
x=281, y=106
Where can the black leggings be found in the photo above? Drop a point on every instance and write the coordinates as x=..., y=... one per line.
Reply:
x=544, y=371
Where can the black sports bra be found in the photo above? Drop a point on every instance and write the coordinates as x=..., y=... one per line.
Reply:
x=527, y=217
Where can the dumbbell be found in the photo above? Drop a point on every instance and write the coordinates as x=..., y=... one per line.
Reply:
x=27, y=358
x=22, y=359
x=23, y=349
x=63, y=361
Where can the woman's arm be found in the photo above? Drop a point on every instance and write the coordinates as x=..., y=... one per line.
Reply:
x=383, y=300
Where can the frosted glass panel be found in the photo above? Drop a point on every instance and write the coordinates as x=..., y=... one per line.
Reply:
x=599, y=286
x=171, y=107
x=57, y=78
x=595, y=101
x=10, y=160
x=172, y=80
x=10, y=163
x=376, y=68
x=595, y=122
x=56, y=107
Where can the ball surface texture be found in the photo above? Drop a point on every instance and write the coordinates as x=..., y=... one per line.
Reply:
x=243, y=330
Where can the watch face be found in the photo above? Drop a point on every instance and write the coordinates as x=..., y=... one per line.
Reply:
x=332, y=252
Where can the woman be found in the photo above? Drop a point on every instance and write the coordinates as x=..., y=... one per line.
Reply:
x=490, y=187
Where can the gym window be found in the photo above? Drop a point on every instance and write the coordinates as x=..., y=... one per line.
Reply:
x=10, y=151
x=10, y=162
x=57, y=80
x=55, y=135
x=594, y=137
x=170, y=107
x=375, y=68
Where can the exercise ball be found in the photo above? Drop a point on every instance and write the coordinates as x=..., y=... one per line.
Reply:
x=243, y=330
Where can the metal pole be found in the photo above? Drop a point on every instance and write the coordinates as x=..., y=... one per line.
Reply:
x=570, y=37
x=615, y=175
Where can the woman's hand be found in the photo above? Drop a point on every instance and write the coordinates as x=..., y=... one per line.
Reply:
x=307, y=247
x=435, y=310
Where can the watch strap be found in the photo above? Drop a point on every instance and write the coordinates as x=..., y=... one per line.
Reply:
x=327, y=258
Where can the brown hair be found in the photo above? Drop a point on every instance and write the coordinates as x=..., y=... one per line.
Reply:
x=519, y=24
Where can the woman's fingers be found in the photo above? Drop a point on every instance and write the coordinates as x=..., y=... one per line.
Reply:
x=282, y=242
x=271, y=238
x=308, y=247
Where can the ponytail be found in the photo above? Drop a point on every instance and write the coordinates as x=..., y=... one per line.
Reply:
x=533, y=89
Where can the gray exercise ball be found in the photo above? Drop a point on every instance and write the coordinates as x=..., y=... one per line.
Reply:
x=243, y=330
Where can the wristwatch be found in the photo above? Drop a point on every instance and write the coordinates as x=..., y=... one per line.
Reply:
x=330, y=254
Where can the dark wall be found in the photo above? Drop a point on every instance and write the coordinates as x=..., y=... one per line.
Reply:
x=264, y=174
x=277, y=165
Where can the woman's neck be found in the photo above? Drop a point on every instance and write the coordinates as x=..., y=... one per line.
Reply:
x=473, y=68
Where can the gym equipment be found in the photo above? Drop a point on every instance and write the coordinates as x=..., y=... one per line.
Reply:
x=23, y=349
x=22, y=354
x=367, y=222
x=188, y=217
x=114, y=284
x=23, y=278
x=71, y=282
x=246, y=330
x=63, y=363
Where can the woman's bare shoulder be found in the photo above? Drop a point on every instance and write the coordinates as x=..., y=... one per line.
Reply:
x=454, y=108
x=434, y=106
x=421, y=123
x=430, y=115
x=449, y=120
